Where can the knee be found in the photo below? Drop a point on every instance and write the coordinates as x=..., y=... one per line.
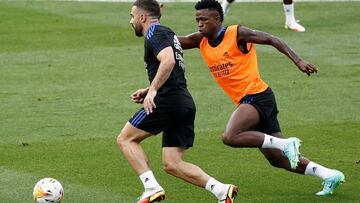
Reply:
x=233, y=137
x=122, y=140
x=230, y=139
x=227, y=139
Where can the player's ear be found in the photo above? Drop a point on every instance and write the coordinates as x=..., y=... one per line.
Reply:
x=143, y=18
x=218, y=20
x=161, y=9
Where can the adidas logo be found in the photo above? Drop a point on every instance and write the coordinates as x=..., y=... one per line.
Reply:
x=314, y=169
x=212, y=187
x=226, y=54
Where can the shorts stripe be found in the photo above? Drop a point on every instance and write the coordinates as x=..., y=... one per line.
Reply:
x=141, y=115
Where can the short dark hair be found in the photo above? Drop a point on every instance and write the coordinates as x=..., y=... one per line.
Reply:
x=150, y=6
x=211, y=5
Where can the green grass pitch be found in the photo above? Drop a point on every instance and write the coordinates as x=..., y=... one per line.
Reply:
x=67, y=69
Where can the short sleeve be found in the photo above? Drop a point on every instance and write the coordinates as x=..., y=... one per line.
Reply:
x=158, y=40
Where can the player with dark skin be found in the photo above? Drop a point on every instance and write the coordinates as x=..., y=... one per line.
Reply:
x=241, y=129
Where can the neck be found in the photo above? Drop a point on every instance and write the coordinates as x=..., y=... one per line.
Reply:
x=148, y=24
x=217, y=32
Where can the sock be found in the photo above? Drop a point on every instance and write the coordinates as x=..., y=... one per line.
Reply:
x=225, y=5
x=274, y=142
x=215, y=187
x=314, y=169
x=289, y=13
x=149, y=180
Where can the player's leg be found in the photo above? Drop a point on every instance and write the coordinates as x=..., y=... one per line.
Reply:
x=176, y=139
x=237, y=132
x=226, y=6
x=129, y=143
x=277, y=159
x=271, y=125
x=176, y=166
x=331, y=178
x=240, y=130
x=290, y=21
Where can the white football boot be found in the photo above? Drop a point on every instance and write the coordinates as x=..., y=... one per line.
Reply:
x=152, y=195
x=294, y=26
x=230, y=194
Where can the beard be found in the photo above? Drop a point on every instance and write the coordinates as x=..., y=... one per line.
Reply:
x=138, y=30
x=138, y=33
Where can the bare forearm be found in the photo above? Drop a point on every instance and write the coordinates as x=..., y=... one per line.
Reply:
x=286, y=50
x=303, y=66
x=190, y=41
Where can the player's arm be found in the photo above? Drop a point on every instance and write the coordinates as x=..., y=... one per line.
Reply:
x=187, y=42
x=167, y=63
x=139, y=95
x=190, y=41
x=246, y=35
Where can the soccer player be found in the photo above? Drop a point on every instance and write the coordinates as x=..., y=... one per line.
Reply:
x=290, y=21
x=230, y=55
x=168, y=107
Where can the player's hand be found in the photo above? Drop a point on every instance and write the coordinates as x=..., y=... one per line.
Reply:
x=149, y=103
x=306, y=67
x=139, y=95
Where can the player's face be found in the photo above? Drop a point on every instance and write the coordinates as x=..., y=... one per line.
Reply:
x=208, y=22
x=135, y=21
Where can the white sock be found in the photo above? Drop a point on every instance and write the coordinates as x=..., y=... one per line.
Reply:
x=314, y=169
x=274, y=142
x=215, y=187
x=148, y=180
x=289, y=13
x=225, y=5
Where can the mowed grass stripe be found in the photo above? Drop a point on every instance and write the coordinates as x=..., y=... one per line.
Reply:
x=36, y=89
x=54, y=30
x=71, y=160
x=23, y=184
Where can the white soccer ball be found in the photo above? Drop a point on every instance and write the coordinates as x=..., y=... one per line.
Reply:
x=48, y=190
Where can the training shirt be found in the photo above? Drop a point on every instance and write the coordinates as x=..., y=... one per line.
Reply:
x=236, y=72
x=174, y=91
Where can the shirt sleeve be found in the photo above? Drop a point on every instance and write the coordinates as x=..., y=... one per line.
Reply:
x=158, y=40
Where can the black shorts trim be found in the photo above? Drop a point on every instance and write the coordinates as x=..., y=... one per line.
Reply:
x=138, y=117
x=176, y=123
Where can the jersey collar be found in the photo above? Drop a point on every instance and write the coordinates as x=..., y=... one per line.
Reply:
x=150, y=30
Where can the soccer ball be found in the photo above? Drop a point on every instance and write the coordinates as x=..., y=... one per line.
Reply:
x=48, y=190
